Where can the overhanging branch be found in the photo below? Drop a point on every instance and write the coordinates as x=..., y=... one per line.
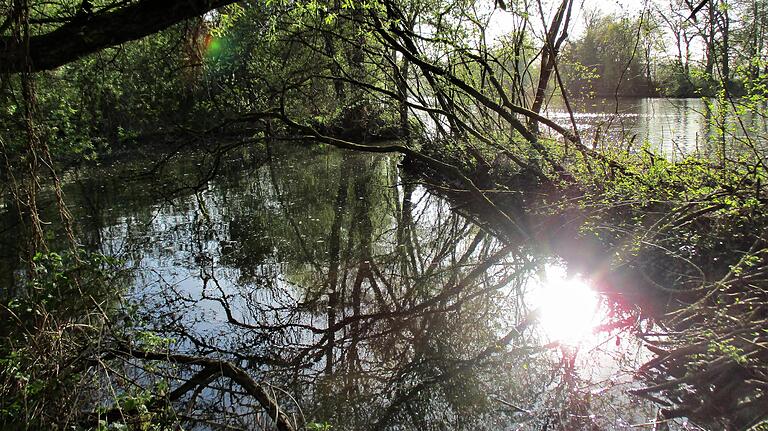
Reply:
x=87, y=33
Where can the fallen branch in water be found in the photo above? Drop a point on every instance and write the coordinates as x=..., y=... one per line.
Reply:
x=212, y=368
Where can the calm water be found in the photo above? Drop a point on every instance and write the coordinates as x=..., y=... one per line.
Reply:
x=673, y=126
x=358, y=297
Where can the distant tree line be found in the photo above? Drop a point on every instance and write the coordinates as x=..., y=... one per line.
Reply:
x=668, y=51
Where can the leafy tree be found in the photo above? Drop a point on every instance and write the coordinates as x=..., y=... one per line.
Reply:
x=607, y=59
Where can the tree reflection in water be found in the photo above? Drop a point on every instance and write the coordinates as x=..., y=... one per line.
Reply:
x=361, y=301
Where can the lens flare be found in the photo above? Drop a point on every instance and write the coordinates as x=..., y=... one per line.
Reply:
x=214, y=46
x=568, y=309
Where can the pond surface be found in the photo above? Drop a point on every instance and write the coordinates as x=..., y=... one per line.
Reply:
x=361, y=299
x=674, y=126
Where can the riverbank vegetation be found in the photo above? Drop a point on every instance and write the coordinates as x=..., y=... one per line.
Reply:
x=461, y=100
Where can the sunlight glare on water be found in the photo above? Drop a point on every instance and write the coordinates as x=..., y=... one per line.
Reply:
x=568, y=308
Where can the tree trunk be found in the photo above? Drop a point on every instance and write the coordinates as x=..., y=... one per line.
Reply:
x=556, y=34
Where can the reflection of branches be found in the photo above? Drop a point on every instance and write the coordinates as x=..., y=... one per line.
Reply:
x=385, y=304
x=444, y=168
x=289, y=217
x=709, y=365
x=453, y=371
x=415, y=297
